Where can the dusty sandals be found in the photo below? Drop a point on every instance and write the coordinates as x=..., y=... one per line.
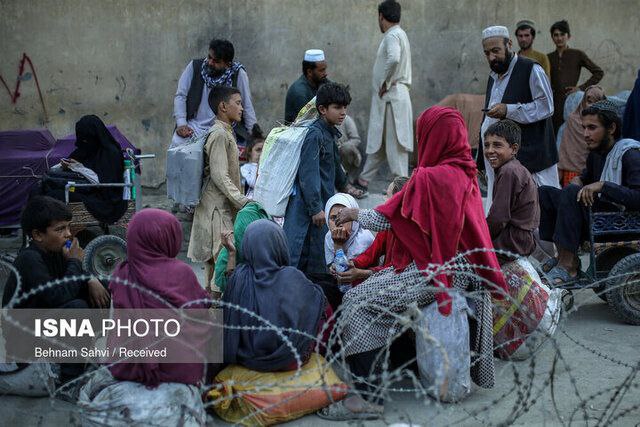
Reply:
x=339, y=412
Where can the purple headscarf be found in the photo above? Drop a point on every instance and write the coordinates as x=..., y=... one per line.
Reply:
x=154, y=238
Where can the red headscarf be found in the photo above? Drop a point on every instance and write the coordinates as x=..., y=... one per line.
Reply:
x=154, y=238
x=438, y=213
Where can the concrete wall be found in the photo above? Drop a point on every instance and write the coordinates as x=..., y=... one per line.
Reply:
x=121, y=59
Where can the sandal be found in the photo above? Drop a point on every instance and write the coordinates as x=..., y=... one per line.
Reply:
x=549, y=264
x=356, y=192
x=339, y=412
x=559, y=276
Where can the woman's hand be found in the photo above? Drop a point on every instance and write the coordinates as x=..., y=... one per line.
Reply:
x=67, y=163
x=347, y=215
x=228, y=241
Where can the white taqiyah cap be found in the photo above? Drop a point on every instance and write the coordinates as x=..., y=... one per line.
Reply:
x=495, y=31
x=314, y=55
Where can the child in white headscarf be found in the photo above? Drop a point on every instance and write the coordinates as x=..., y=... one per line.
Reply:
x=349, y=237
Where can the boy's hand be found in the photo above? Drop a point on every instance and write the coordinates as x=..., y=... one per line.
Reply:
x=75, y=251
x=98, y=296
x=228, y=241
x=318, y=219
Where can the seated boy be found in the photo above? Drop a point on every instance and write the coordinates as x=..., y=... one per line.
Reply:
x=319, y=174
x=45, y=221
x=612, y=176
x=514, y=213
x=222, y=196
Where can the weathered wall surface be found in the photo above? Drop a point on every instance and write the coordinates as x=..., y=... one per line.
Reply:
x=121, y=59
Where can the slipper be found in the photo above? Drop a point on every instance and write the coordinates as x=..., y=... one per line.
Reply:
x=549, y=264
x=360, y=186
x=560, y=276
x=339, y=412
x=357, y=192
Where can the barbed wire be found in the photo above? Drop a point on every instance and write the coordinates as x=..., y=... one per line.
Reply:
x=522, y=386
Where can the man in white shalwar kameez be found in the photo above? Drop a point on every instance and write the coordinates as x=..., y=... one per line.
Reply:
x=390, y=134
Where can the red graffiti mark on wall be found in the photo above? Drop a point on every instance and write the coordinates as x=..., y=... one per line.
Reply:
x=16, y=92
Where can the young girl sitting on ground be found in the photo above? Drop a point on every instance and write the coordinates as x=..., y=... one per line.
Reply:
x=349, y=237
x=384, y=245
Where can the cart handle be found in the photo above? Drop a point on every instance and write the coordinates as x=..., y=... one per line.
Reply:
x=71, y=184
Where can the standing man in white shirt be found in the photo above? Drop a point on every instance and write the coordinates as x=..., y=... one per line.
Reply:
x=390, y=134
x=191, y=107
x=518, y=89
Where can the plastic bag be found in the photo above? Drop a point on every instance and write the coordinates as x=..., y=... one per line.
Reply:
x=278, y=167
x=106, y=401
x=265, y=398
x=35, y=380
x=185, y=168
x=443, y=351
x=531, y=313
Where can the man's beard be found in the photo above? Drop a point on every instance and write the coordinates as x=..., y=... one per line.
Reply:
x=213, y=72
x=319, y=82
x=501, y=67
x=525, y=46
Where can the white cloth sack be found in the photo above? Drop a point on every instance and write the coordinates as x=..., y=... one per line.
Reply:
x=185, y=167
x=443, y=351
x=105, y=401
x=36, y=380
x=278, y=168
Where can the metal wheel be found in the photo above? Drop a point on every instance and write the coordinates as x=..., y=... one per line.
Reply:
x=103, y=254
x=623, y=293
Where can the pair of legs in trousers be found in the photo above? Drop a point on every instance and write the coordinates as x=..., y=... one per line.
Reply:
x=390, y=151
x=564, y=221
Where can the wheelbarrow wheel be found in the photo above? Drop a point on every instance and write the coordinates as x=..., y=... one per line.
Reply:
x=623, y=289
x=103, y=254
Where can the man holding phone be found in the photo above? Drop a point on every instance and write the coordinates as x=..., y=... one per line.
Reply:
x=518, y=89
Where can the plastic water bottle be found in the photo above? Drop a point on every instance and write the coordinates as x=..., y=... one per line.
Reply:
x=341, y=264
x=126, y=193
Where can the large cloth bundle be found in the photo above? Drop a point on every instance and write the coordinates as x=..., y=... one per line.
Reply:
x=280, y=160
x=254, y=398
x=443, y=351
x=185, y=167
x=278, y=167
x=106, y=401
x=527, y=316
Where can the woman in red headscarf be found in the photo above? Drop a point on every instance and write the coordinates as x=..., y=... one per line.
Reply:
x=436, y=216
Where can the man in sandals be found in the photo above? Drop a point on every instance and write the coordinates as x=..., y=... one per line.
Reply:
x=390, y=135
x=610, y=180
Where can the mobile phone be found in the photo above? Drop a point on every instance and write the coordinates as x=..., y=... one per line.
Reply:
x=484, y=110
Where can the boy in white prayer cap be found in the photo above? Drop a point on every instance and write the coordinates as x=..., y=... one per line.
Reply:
x=314, y=73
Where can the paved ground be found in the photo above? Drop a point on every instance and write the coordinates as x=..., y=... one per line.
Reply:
x=578, y=377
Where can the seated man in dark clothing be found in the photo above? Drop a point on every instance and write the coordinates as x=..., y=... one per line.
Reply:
x=612, y=177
